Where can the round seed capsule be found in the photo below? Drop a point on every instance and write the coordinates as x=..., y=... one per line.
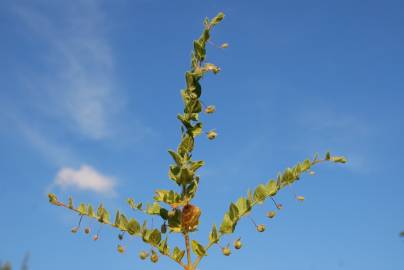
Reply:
x=143, y=255
x=261, y=228
x=210, y=109
x=212, y=135
x=87, y=230
x=238, y=244
x=271, y=214
x=121, y=249
x=75, y=229
x=154, y=257
x=224, y=45
x=226, y=251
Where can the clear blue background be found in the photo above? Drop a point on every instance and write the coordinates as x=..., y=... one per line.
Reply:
x=299, y=77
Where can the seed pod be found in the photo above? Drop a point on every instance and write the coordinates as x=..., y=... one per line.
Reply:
x=154, y=257
x=210, y=109
x=300, y=198
x=226, y=251
x=96, y=237
x=143, y=255
x=121, y=249
x=163, y=228
x=75, y=229
x=212, y=135
x=238, y=244
x=271, y=214
x=190, y=217
x=87, y=230
x=120, y=236
x=261, y=228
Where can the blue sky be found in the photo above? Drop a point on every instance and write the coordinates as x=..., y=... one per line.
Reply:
x=88, y=102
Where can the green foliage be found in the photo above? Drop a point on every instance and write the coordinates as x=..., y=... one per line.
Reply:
x=173, y=207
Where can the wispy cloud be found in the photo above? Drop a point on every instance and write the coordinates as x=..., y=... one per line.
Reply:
x=80, y=89
x=86, y=178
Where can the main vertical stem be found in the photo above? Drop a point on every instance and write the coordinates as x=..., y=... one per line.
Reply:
x=188, y=248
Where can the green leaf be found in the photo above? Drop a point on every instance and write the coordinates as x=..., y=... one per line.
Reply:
x=174, y=222
x=198, y=249
x=260, y=194
x=213, y=236
x=133, y=205
x=123, y=223
x=102, y=214
x=133, y=227
x=155, y=237
x=169, y=197
x=90, y=211
x=197, y=164
x=197, y=129
x=177, y=158
x=153, y=209
x=271, y=188
x=186, y=145
x=191, y=189
x=227, y=225
x=117, y=219
x=178, y=254
x=82, y=209
x=219, y=17
x=243, y=206
x=53, y=199
x=339, y=159
x=70, y=203
x=305, y=165
x=200, y=51
x=233, y=212
x=163, y=247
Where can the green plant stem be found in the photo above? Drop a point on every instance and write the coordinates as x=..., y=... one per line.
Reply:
x=188, y=250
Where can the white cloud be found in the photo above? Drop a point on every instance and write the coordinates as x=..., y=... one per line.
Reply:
x=85, y=178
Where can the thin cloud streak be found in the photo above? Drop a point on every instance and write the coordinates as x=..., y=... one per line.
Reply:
x=81, y=87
